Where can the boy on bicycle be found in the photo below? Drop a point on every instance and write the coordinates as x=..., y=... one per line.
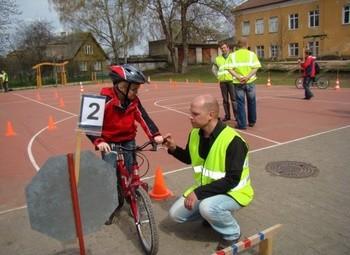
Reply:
x=308, y=66
x=122, y=110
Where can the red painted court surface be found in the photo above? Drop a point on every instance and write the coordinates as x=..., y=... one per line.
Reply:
x=283, y=117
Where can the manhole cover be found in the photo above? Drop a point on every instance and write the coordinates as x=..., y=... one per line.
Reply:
x=291, y=169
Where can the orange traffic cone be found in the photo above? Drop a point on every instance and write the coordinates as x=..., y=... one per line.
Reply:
x=9, y=130
x=337, y=84
x=268, y=84
x=51, y=125
x=81, y=87
x=159, y=191
x=61, y=104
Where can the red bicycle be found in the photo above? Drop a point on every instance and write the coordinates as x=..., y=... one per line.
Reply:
x=132, y=189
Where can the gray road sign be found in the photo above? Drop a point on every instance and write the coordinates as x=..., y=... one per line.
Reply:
x=49, y=197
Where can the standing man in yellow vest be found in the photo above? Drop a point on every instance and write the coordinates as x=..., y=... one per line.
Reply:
x=219, y=157
x=243, y=66
x=4, y=80
x=219, y=69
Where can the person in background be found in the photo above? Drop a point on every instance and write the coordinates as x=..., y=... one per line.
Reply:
x=308, y=67
x=222, y=184
x=243, y=66
x=219, y=69
x=4, y=80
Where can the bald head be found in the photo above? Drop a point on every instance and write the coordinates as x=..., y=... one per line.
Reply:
x=208, y=103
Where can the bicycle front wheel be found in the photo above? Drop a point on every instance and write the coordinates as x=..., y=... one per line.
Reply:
x=299, y=82
x=146, y=225
x=322, y=83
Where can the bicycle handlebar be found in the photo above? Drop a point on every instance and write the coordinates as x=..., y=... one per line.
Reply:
x=139, y=148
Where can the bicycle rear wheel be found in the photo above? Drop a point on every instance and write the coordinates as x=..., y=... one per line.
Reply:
x=146, y=225
x=322, y=83
x=299, y=82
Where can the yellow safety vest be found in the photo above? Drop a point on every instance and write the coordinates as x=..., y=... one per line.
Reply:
x=213, y=167
x=243, y=61
x=223, y=65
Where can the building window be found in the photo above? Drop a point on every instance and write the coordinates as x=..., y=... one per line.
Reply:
x=259, y=26
x=260, y=51
x=294, y=21
x=245, y=28
x=293, y=49
x=274, y=51
x=83, y=66
x=314, y=46
x=98, y=66
x=346, y=14
x=273, y=24
x=314, y=18
x=88, y=49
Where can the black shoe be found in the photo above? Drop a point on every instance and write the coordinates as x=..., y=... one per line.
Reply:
x=226, y=119
x=251, y=124
x=241, y=128
x=308, y=98
x=223, y=243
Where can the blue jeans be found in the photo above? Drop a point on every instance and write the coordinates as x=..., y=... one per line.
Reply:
x=216, y=210
x=306, y=84
x=243, y=91
x=128, y=155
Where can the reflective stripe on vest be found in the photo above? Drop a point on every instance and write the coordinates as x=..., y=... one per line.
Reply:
x=243, y=63
x=213, y=168
x=223, y=64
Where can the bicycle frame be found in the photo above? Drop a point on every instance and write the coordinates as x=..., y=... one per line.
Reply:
x=129, y=181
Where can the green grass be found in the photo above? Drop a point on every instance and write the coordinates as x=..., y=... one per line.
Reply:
x=203, y=73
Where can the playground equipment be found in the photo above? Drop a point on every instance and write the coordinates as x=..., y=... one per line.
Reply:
x=62, y=72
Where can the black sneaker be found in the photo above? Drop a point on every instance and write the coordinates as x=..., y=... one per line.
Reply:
x=226, y=119
x=223, y=243
x=251, y=124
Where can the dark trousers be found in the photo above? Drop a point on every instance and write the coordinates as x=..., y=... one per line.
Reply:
x=228, y=91
x=306, y=84
x=5, y=86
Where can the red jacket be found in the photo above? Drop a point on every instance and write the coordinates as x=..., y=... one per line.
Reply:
x=119, y=124
x=308, y=67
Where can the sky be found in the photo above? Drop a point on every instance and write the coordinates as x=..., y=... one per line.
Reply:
x=38, y=9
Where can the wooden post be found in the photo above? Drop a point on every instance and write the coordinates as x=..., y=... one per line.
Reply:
x=77, y=154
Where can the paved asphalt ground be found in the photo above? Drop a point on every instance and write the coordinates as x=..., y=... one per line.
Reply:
x=314, y=211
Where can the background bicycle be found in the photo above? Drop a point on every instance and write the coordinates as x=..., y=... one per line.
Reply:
x=319, y=82
x=133, y=190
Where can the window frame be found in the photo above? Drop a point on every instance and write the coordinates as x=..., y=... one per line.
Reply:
x=88, y=49
x=275, y=50
x=314, y=17
x=293, y=47
x=98, y=66
x=260, y=26
x=276, y=24
x=260, y=51
x=247, y=27
x=83, y=66
x=314, y=46
x=295, y=18
x=348, y=14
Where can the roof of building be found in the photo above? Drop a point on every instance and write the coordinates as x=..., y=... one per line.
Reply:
x=250, y=4
x=65, y=47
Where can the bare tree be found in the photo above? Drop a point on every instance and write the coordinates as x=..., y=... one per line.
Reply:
x=114, y=23
x=29, y=45
x=166, y=12
x=8, y=11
